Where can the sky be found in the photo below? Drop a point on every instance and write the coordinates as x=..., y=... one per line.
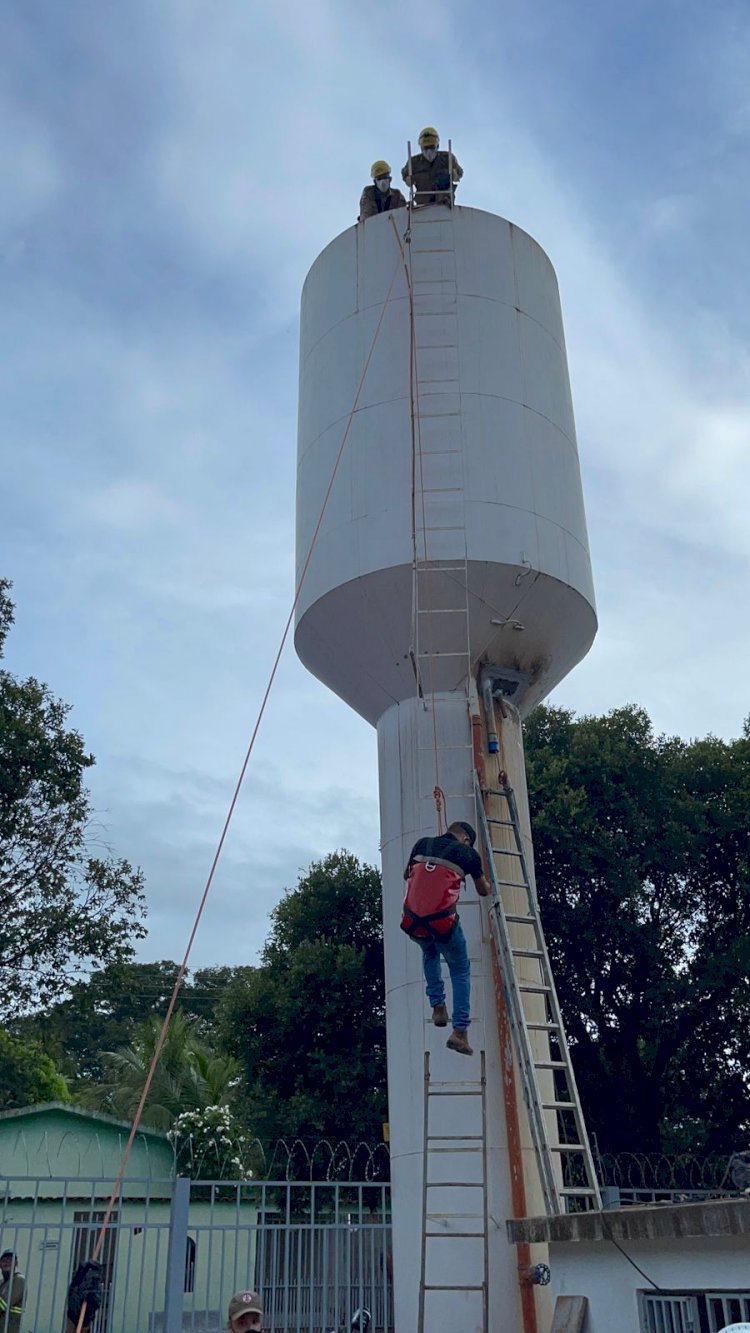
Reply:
x=170, y=173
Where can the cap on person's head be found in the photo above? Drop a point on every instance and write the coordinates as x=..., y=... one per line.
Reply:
x=244, y=1302
x=468, y=830
x=379, y=168
x=7, y=1254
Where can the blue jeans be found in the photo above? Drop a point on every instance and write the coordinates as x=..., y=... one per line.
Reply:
x=453, y=950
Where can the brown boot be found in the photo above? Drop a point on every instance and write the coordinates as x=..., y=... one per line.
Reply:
x=440, y=1016
x=458, y=1041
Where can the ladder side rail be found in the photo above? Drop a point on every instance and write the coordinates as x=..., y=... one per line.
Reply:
x=423, y=1257
x=485, y=1197
x=517, y=1020
x=554, y=1002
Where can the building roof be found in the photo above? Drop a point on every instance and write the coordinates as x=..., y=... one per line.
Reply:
x=712, y=1217
x=82, y=1113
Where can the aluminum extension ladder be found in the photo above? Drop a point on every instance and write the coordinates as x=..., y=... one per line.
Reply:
x=468, y=1222
x=563, y=1152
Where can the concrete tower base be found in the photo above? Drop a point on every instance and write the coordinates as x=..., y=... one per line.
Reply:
x=408, y=777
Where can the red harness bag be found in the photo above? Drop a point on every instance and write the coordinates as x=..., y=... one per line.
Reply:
x=432, y=891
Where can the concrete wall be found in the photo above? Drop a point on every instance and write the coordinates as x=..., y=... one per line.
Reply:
x=598, y=1270
x=61, y=1142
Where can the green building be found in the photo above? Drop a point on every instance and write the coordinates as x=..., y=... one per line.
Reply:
x=167, y=1240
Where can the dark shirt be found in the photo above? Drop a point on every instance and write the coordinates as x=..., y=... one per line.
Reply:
x=448, y=848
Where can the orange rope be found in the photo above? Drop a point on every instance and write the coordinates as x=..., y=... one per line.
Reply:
x=232, y=805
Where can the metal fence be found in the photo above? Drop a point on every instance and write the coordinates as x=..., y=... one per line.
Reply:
x=177, y=1250
x=628, y=1178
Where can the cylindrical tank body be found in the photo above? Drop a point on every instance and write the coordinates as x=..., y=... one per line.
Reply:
x=502, y=389
x=449, y=347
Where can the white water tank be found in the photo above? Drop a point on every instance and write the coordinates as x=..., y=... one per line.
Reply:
x=492, y=375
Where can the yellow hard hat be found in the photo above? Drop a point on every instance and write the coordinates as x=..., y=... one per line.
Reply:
x=379, y=168
x=428, y=134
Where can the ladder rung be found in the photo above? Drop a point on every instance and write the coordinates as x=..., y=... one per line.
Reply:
x=454, y=1184
x=454, y=1138
x=534, y=988
x=506, y=851
x=454, y=1217
x=454, y=1235
x=559, y=1106
x=543, y=1027
x=578, y=1192
x=550, y=1064
x=567, y=1147
x=518, y=920
x=527, y=953
x=435, y=1151
x=506, y=823
x=473, y=1092
x=463, y=1286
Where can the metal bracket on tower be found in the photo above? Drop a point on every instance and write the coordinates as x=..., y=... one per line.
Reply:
x=497, y=682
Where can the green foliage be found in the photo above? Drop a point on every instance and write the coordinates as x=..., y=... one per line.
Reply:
x=209, y=1145
x=61, y=907
x=642, y=849
x=309, y=1023
x=104, y=1012
x=27, y=1075
x=189, y=1075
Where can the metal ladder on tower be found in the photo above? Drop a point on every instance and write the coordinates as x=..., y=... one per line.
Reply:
x=442, y=1224
x=441, y=652
x=563, y=1152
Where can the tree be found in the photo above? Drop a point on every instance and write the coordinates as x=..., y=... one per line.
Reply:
x=210, y=1145
x=27, y=1075
x=308, y=1025
x=189, y=1075
x=642, y=849
x=104, y=1012
x=63, y=909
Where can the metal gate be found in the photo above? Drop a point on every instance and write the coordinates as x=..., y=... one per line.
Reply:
x=176, y=1251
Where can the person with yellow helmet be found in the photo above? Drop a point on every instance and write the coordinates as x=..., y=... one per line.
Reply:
x=430, y=172
x=379, y=197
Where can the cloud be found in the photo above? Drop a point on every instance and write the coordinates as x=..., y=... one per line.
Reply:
x=180, y=179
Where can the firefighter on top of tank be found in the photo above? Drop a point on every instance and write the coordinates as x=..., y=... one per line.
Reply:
x=434, y=874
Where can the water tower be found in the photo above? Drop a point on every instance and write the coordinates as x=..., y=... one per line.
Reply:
x=448, y=591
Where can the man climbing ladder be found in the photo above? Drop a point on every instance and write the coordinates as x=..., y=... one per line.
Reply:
x=434, y=874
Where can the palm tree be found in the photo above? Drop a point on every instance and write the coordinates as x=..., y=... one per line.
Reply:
x=188, y=1077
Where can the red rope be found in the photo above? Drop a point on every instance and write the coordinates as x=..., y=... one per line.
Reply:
x=232, y=805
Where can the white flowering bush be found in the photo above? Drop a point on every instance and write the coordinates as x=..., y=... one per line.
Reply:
x=209, y=1145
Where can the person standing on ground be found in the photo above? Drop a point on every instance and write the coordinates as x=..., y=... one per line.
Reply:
x=245, y=1313
x=434, y=873
x=12, y=1293
x=85, y=1290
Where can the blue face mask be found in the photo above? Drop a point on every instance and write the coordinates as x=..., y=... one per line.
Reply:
x=384, y=184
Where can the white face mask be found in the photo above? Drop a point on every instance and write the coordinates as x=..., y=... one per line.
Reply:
x=430, y=153
x=384, y=184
